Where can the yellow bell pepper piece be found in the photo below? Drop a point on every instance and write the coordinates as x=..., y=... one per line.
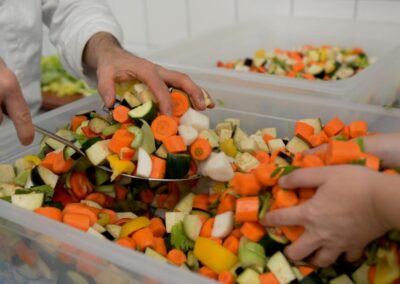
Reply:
x=229, y=148
x=387, y=268
x=119, y=166
x=213, y=255
x=219, y=187
x=32, y=159
x=133, y=226
x=104, y=219
x=260, y=53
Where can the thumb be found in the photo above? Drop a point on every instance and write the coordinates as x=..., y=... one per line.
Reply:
x=106, y=86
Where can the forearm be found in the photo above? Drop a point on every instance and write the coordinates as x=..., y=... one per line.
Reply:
x=387, y=199
x=386, y=147
x=98, y=45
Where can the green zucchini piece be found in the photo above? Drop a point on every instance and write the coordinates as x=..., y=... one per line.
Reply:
x=312, y=278
x=272, y=243
x=162, y=152
x=110, y=130
x=149, y=143
x=177, y=165
x=90, y=142
x=98, y=124
x=252, y=255
x=101, y=176
x=130, y=100
x=146, y=111
x=139, y=136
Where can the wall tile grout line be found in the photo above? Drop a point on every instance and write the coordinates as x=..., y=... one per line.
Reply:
x=188, y=18
x=146, y=24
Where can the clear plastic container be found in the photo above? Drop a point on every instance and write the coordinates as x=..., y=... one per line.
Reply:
x=110, y=263
x=378, y=84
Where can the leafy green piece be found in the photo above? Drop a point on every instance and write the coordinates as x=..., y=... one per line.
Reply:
x=220, y=103
x=46, y=189
x=283, y=171
x=360, y=162
x=179, y=239
x=266, y=202
x=6, y=198
x=360, y=142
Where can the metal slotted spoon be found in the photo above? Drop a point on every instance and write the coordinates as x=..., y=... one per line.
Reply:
x=83, y=154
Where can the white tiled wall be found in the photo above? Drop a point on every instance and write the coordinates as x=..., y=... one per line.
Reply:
x=151, y=24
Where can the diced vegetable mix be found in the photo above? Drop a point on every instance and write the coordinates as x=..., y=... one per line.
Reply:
x=309, y=62
x=213, y=228
x=55, y=79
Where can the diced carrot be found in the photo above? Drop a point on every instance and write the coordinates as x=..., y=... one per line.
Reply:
x=126, y=242
x=180, y=103
x=79, y=221
x=228, y=203
x=318, y=139
x=26, y=254
x=308, y=76
x=311, y=161
x=333, y=127
x=121, y=138
x=371, y=274
x=174, y=144
x=48, y=160
x=236, y=233
x=126, y=154
x=212, y=198
x=253, y=231
x=298, y=67
x=201, y=201
x=120, y=192
x=304, y=129
x=159, y=246
x=292, y=233
x=207, y=272
x=206, y=229
x=176, y=257
x=146, y=196
x=157, y=227
x=358, y=128
x=263, y=174
x=267, y=137
x=120, y=114
x=163, y=127
x=97, y=197
x=55, y=162
x=50, y=212
x=232, y=244
x=291, y=74
x=83, y=209
x=226, y=277
x=247, y=209
x=200, y=149
x=262, y=156
x=295, y=56
x=268, y=278
x=88, y=132
x=345, y=132
x=342, y=152
x=112, y=215
x=305, y=270
x=159, y=167
x=143, y=238
x=246, y=184
x=371, y=161
x=286, y=198
x=306, y=193
x=77, y=121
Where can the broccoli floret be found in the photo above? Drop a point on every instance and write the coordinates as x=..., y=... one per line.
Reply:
x=179, y=239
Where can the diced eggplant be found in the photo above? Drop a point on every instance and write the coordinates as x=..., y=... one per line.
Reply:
x=114, y=230
x=7, y=173
x=246, y=162
x=98, y=152
x=275, y=144
x=41, y=176
x=144, y=165
x=297, y=145
x=280, y=267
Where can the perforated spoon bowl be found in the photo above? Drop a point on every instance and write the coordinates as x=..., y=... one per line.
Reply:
x=83, y=154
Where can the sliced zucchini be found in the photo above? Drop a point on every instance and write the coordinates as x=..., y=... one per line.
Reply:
x=110, y=130
x=131, y=100
x=342, y=279
x=223, y=225
x=97, y=125
x=252, y=255
x=101, y=176
x=280, y=267
x=90, y=142
x=7, y=173
x=275, y=144
x=114, y=230
x=139, y=136
x=185, y=204
x=146, y=111
x=30, y=201
x=314, y=123
x=260, y=143
x=223, y=126
x=98, y=152
x=144, y=165
x=108, y=188
x=95, y=233
x=248, y=276
x=155, y=255
x=239, y=136
x=161, y=152
x=173, y=218
x=211, y=137
x=42, y=176
x=360, y=276
x=177, y=165
x=297, y=145
x=145, y=96
x=21, y=178
x=149, y=143
x=314, y=69
x=192, y=225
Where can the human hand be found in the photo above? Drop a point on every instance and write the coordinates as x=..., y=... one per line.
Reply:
x=114, y=64
x=342, y=217
x=13, y=104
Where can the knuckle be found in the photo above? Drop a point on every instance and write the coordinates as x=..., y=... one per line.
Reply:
x=323, y=260
x=23, y=117
x=9, y=81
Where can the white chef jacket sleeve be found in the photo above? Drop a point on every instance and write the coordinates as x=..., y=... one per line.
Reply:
x=72, y=23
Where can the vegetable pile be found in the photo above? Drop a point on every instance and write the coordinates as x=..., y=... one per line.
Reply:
x=325, y=62
x=56, y=80
x=209, y=226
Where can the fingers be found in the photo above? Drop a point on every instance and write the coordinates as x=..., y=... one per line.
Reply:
x=18, y=110
x=284, y=217
x=1, y=115
x=319, y=149
x=106, y=85
x=305, y=178
x=303, y=247
x=325, y=257
x=354, y=255
x=183, y=82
